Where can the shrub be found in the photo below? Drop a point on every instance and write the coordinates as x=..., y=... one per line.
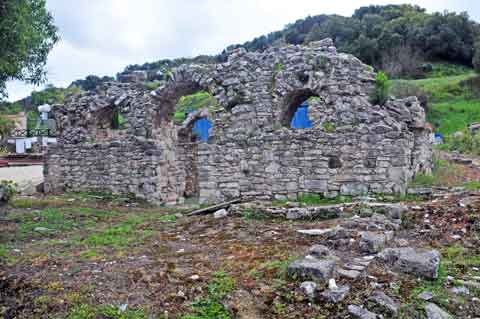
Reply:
x=382, y=88
x=464, y=142
x=193, y=102
x=153, y=85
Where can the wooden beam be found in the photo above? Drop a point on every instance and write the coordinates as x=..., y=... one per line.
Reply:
x=214, y=208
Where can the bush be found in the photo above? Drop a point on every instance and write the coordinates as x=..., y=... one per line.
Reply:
x=382, y=88
x=464, y=142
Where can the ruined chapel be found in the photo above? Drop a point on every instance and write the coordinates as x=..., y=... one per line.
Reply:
x=286, y=121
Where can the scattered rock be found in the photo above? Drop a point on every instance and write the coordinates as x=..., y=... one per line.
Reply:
x=360, y=267
x=319, y=251
x=426, y=295
x=435, y=312
x=460, y=290
x=337, y=294
x=312, y=268
x=316, y=232
x=220, y=213
x=361, y=313
x=472, y=284
x=350, y=274
x=424, y=192
x=195, y=277
x=309, y=288
x=411, y=261
x=319, y=212
x=371, y=242
x=42, y=230
x=385, y=302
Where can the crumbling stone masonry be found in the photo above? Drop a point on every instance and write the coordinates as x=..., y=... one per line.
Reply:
x=353, y=147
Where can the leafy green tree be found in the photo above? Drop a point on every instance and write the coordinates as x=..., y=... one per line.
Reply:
x=27, y=34
x=476, y=56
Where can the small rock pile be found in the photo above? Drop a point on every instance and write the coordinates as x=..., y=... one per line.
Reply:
x=368, y=239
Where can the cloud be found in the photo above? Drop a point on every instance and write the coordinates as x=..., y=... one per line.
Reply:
x=102, y=37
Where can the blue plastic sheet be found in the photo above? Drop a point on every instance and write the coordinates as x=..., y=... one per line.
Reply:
x=300, y=119
x=201, y=129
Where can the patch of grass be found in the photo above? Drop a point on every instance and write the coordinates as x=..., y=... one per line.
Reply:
x=251, y=214
x=452, y=116
x=443, y=174
x=86, y=311
x=395, y=198
x=118, y=236
x=437, y=287
x=472, y=185
x=441, y=89
x=3, y=252
x=211, y=307
x=38, y=203
x=440, y=70
x=170, y=218
x=423, y=180
x=457, y=262
x=89, y=254
x=310, y=199
x=51, y=219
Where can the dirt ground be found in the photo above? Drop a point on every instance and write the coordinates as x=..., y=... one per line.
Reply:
x=82, y=256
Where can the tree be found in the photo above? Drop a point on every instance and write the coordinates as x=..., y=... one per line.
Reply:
x=27, y=34
x=476, y=56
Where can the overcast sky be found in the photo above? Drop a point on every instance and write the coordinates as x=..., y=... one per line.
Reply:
x=101, y=37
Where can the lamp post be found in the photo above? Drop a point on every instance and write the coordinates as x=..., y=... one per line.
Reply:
x=44, y=110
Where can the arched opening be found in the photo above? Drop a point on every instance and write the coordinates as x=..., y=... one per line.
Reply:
x=110, y=123
x=193, y=102
x=201, y=128
x=300, y=118
x=110, y=118
x=295, y=114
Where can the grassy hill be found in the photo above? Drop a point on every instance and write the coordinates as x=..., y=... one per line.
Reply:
x=453, y=100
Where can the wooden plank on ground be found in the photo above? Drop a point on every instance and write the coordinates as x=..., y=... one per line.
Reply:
x=214, y=208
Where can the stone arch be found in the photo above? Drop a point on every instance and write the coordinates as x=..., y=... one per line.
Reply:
x=108, y=122
x=184, y=81
x=168, y=97
x=292, y=102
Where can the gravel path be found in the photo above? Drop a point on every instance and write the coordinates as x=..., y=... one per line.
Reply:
x=26, y=177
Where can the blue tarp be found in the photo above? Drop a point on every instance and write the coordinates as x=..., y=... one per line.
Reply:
x=300, y=119
x=201, y=127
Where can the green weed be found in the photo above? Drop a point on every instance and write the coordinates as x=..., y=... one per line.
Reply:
x=86, y=311
x=52, y=220
x=211, y=307
x=250, y=214
x=121, y=235
x=310, y=199
x=329, y=127
x=472, y=185
x=170, y=218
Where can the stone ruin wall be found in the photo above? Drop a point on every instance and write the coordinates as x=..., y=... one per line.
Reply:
x=354, y=147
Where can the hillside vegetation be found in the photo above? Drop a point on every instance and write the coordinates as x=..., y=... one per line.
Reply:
x=404, y=41
x=452, y=97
